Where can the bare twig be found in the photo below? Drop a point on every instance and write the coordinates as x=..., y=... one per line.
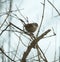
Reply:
x=19, y=18
x=4, y=13
x=41, y=52
x=34, y=42
x=38, y=54
x=47, y=47
x=22, y=30
x=54, y=7
x=6, y=55
x=4, y=30
x=7, y=15
x=17, y=28
x=20, y=12
x=4, y=21
x=17, y=32
x=17, y=46
x=50, y=36
x=42, y=18
x=22, y=42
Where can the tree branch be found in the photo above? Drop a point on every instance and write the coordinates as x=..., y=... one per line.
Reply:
x=34, y=42
x=6, y=55
x=54, y=7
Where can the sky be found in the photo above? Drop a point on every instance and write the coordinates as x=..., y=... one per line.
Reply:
x=33, y=10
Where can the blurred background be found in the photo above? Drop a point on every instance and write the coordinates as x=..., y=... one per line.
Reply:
x=14, y=42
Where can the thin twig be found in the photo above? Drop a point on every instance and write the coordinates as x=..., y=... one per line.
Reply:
x=12, y=53
x=19, y=18
x=17, y=28
x=45, y=59
x=20, y=12
x=4, y=21
x=42, y=18
x=4, y=13
x=21, y=39
x=54, y=7
x=22, y=30
x=50, y=36
x=34, y=42
x=38, y=54
x=8, y=14
x=17, y=32
x=6, y=55
x=16, y=48
x=4, y=30
x=47, y=47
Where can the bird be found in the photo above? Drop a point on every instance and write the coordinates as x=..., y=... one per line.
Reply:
x=31, y=27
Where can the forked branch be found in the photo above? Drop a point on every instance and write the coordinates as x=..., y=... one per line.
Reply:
x=34, y=42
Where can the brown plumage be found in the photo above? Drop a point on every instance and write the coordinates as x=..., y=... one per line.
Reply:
x=31, y=27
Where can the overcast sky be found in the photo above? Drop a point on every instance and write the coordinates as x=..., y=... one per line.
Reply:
x=33, y=10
